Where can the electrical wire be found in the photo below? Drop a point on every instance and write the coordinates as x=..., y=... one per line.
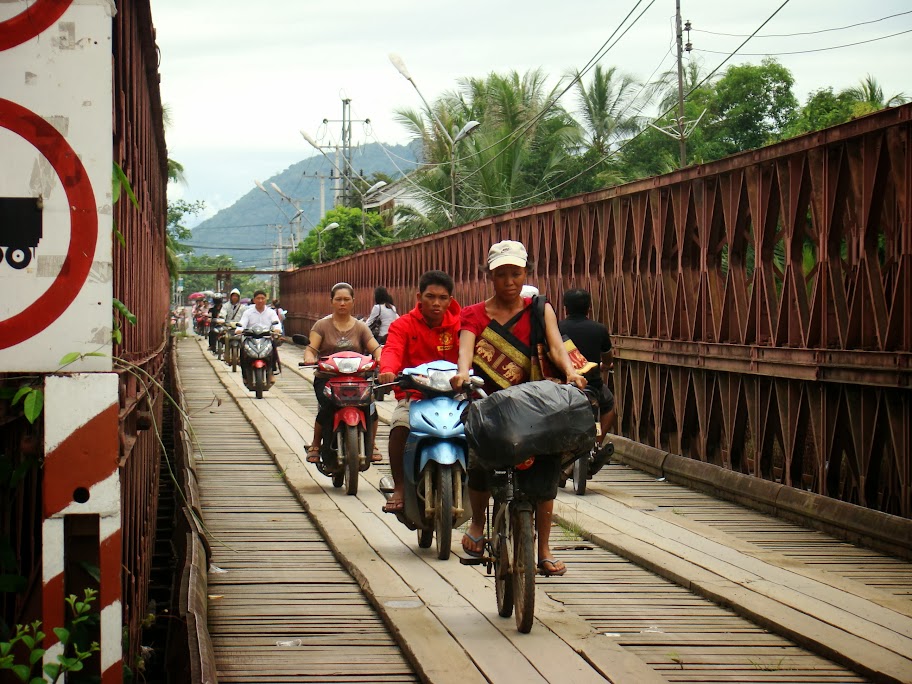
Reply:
x=251, y=248
x=805, y=33
x=597, y=56
x=805, y=52
x=600, y=53
x=526, y=200
x=439, y=196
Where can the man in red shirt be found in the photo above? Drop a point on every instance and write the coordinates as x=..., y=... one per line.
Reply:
x=429, y=332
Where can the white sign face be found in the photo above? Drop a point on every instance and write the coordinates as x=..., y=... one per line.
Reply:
x=56, y=147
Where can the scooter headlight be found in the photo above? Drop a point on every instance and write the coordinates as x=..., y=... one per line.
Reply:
x=348, y=366
x=440, y=379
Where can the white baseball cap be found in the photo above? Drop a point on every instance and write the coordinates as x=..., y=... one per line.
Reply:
x=507, y=252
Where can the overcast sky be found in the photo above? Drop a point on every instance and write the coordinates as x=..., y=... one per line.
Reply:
x=242, y=78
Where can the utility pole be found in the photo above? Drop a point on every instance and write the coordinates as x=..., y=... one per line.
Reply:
x=347, y=151
x=682, y=140
x=681, y=129
x=343, y=161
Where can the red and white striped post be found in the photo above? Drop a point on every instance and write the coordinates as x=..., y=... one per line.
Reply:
x=81, y=477
x=56, y=147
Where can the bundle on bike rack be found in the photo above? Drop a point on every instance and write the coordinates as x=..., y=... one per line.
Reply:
x=532, y=419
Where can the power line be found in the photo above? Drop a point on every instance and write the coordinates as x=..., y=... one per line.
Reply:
x=516, y=134
x=805, y=33
x=804, y=52
x=230, y=247
x=629, y=141
x=246, y=225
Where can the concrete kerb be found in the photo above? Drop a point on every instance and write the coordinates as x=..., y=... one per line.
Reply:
x=434, y=660
x=873, y=529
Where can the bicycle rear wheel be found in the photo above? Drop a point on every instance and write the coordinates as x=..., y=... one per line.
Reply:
x=580, y=474
x=503, y=582
x=524, y=570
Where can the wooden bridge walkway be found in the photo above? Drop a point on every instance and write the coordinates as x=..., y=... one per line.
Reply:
x=669, y=585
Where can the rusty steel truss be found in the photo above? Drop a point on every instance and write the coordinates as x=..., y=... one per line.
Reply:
x=760, y=305
x=141, y=282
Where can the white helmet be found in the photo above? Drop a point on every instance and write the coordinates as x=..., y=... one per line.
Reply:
x=528, y=291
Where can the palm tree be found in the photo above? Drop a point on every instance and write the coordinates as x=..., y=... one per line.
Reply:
x=869, y=97
x=512, y=158
x=606, y=106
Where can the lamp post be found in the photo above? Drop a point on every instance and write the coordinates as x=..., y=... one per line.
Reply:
x=462, y=134
x=325, y=229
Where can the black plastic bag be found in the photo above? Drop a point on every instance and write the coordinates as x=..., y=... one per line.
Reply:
x=532, y=419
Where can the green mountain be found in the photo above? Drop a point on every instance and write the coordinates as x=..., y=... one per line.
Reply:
x=249, y=229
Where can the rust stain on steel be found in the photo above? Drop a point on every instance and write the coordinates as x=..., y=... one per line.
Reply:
x=141, y=282
x=761, y=305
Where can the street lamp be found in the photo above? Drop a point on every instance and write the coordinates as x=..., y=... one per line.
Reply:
x=325, y=229
x=296, y=219
x=461, y=135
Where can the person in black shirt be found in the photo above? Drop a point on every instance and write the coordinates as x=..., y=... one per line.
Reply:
x=214, y=312
x=592, y=339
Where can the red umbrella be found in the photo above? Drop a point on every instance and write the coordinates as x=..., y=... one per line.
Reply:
x=197, y=295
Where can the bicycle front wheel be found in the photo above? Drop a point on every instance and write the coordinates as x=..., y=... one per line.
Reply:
x=503, y=582
x=524, y=570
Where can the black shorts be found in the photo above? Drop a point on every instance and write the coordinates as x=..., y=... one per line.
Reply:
x=539, y=482
x=605, y=399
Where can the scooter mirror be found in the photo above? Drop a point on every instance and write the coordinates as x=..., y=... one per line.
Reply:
x=301, y=340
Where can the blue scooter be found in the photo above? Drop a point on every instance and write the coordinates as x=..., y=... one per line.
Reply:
x=436, y=457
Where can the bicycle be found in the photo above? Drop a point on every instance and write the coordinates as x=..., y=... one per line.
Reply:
x=510, y=542
x=581, y=468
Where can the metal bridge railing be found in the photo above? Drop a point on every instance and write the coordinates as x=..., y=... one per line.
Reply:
x=760, y=305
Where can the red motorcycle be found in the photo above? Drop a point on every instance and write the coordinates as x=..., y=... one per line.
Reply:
x=349, y=388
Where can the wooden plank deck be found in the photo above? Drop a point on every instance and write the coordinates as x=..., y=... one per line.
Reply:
x=608, y=618
x=281, y=581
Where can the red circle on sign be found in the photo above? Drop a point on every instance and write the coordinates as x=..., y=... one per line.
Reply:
x=83, y=224
x=28, y=24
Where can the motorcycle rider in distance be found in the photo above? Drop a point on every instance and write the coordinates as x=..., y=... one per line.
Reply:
x=233, y=310
x=427, y=333
x=214, y=312
x=260, y=316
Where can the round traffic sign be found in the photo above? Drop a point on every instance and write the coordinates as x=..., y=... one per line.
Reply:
x=26, y=25
x=83, y=224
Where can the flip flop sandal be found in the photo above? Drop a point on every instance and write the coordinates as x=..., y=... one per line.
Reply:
x=394, y=506
x=475, y=540
x=542, y=568
x=313, y=455
x=376, y=456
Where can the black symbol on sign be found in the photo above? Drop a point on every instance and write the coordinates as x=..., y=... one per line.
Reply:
x=20, y=229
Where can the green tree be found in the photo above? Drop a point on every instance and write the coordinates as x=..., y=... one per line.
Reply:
x=241, y=278
x=653, y=152
x=823, y=109
x=342, y=240
x=868, y=96
x=513, y=159
x=753, y=105
x=606, y=107
x=175, y=231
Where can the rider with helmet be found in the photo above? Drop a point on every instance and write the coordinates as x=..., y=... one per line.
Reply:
x=231, y=313
x=233, y=310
